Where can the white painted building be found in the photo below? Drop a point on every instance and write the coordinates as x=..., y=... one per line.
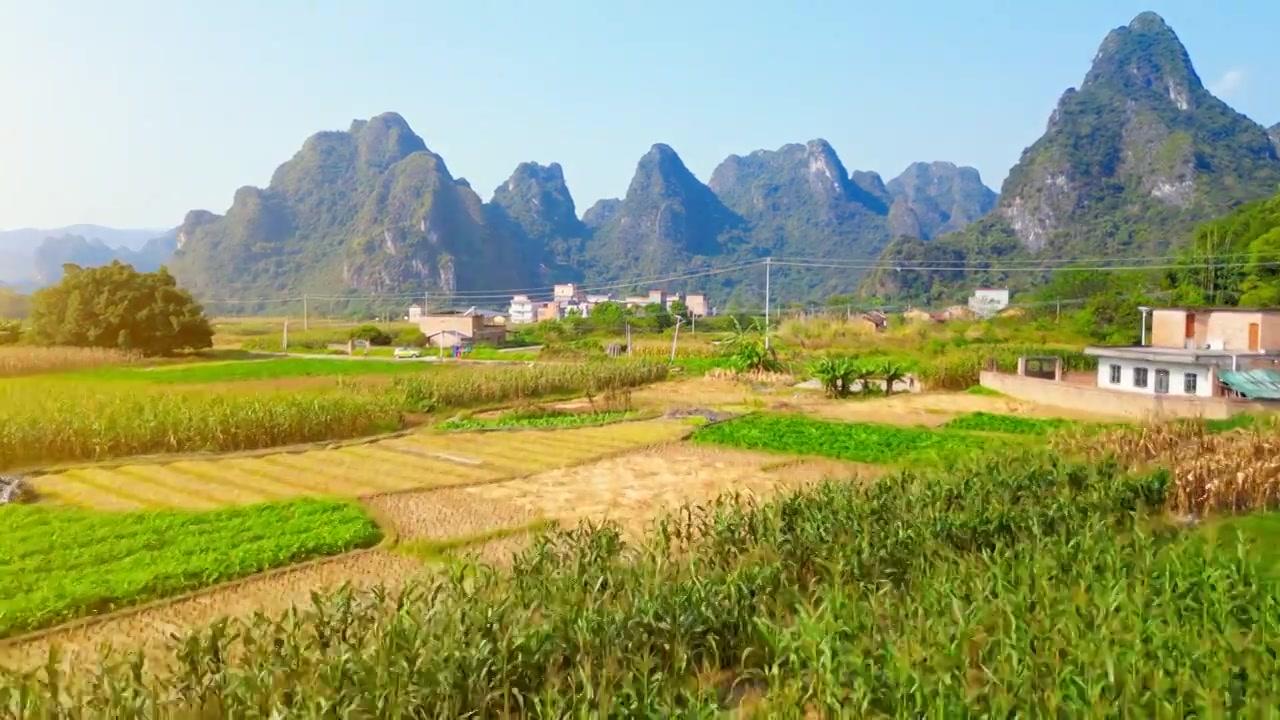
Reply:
x=522, y=311
x=986, y=302
x=415, y=313
x=1190, y=348
x=1159, y=371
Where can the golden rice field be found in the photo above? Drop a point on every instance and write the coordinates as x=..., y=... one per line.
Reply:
x=418, y=460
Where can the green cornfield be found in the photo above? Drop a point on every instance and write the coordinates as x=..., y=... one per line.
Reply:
x=1030, y=586
x=491, y=385
x=43, y=423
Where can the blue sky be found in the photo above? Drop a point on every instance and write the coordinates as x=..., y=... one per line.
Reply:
x=129, y=113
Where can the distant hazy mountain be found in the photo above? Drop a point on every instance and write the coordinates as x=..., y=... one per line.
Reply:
x=54, y=252
x=18, y=247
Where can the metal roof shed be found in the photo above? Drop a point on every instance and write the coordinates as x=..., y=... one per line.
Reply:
x=1261, y=384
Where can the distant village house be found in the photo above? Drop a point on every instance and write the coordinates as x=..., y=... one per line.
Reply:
x=449, y=328
x=987, y=302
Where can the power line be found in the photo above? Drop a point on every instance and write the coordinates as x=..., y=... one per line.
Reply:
x=922, y=267
x=1047, y=265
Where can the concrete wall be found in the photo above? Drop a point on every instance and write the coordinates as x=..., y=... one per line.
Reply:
x=1168, y=328
x=1205, y=380
x=1232, y=328
x=1071, y=396
x=1270, y=331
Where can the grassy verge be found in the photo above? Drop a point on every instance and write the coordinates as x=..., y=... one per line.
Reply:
x=255, y=369
x=1008, y=424
x=63, y=563
x=434, y=551
x=991, y=589
x=858, y=442
x=523, y=419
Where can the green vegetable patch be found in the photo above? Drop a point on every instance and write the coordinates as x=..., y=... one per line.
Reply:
x=59, y=563
x=857, y=442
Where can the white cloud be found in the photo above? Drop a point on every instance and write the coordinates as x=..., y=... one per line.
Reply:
x=1229, y=84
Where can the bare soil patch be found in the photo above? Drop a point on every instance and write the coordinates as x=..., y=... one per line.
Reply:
x=446, y=513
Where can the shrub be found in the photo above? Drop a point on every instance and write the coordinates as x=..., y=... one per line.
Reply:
x=371, y=334
x=411, y=337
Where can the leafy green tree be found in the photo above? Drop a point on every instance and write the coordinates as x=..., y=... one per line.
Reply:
x=608, y=316
x=116, y=306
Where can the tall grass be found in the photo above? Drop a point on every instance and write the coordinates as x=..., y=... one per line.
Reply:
x=50, y=422
x=1034, y=588
x=18, y=360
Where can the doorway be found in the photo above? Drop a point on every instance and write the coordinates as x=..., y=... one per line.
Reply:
x=1254, y=340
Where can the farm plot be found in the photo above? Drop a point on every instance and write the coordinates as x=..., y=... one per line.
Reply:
x=632, y=489
x=1009, y=424
x=413, y=461
x=151, y=630
x=59, y=563
x=857, y=442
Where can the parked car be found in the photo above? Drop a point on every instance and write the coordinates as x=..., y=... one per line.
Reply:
x=408, y=352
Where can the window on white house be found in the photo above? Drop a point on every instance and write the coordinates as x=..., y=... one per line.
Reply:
x=1189, y=383
x=1115, y=374
x=1139, y=377
x=1162, y=381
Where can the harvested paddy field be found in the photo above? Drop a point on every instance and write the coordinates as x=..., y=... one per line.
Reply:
x=636, y=488
x=418, y=460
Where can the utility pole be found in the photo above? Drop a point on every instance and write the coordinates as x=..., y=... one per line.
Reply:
x=675, y=337
x=304, y=312
x=628, y=338
x=284, y=341
x=767, y=265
